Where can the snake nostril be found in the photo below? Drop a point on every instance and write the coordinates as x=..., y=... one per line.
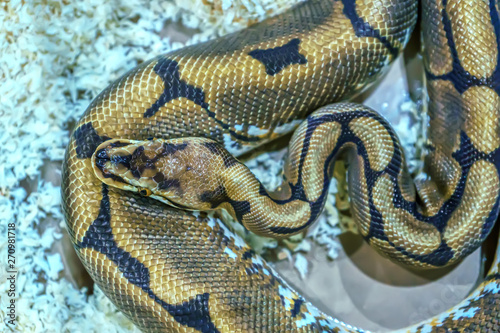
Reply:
x=102, y=154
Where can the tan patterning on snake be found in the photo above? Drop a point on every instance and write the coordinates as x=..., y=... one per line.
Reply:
x=172, y=270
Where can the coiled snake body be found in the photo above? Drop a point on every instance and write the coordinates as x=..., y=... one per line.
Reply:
x=172, y=270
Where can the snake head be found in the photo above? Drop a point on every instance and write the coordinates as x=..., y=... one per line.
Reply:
x=172, y=171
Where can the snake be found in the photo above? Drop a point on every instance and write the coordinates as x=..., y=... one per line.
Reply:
x=154, y=159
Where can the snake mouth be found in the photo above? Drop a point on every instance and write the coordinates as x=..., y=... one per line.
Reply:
x=111, y=168
x=103, y=163
x=112, y=162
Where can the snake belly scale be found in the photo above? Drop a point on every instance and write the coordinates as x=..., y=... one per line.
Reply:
x=172, y=270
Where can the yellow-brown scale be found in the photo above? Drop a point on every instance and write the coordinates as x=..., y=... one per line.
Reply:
x=175, y=271
x=242, y=101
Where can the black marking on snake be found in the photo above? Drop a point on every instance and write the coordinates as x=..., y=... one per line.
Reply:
x=138, y=161
x=465, y=156
x=276, y=59
x=159, y=177
x=486, y=304
x=254, y=268
x=297, y=189
x=296, y=307
x=119, y=144
x=123, y=160
x=174, y=87
x=495, y=21
x=102, y=157
x=439, y=257
x=217, y=149
x=363, y=29
x=172, y=148
x=215, y=197
x=87, y=140
x=248, y=254
x=169, y=183
x=219, y=196
x=252, y=265
x=304, y=17
x=491, y=277
x=100, y=161
x=99, y=237
x=458, y=76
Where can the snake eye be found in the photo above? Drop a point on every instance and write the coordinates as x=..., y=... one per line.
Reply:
x=145, y=192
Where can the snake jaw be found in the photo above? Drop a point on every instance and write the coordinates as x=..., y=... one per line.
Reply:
x=169, y=203
x=114, y=162
x=113, y=169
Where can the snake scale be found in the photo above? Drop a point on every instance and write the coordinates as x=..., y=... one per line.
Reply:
x=168, y=132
